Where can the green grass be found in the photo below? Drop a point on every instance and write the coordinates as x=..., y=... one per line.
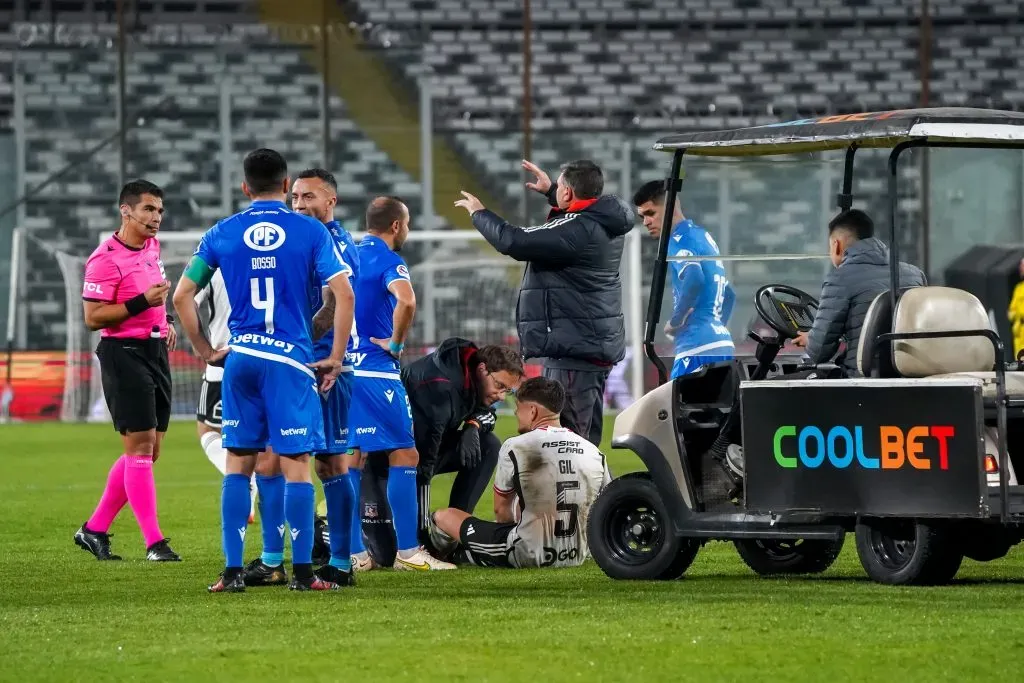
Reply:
x=64, y=616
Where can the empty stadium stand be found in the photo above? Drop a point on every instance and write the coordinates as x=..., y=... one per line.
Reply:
x=608, y=76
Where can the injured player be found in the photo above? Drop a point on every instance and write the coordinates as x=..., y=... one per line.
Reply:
x=546, y=482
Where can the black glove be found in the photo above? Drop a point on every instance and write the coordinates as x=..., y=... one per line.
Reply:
x=469, y=446
x=484, y=419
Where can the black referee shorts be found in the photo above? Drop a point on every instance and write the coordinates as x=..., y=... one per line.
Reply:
x=136, y=383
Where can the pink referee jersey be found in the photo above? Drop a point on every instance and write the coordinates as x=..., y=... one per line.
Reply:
x=116, y=273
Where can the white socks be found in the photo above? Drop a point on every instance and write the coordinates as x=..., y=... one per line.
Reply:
x=215, y=451
x=218, y=455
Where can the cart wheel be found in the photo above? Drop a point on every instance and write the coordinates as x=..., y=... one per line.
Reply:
x=773, y=557
x=902, y=552
x=631, y=536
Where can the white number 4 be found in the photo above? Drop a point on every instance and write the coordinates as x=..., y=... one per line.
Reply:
x=260, y=304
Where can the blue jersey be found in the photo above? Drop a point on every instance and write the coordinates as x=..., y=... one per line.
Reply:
x=347, y=250
x=375, y=304
x=272, y=260
x=703, y=287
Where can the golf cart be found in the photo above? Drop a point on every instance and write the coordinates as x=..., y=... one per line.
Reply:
x=915, y=456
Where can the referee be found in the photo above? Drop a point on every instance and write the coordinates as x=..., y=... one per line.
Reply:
x=124, y=294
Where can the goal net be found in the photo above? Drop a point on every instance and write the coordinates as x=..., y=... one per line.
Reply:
x=463, y=289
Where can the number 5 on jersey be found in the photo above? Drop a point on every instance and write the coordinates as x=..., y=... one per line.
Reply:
x=566, y=528
x=265, y=304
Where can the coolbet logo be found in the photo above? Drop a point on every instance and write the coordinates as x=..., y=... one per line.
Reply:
x=841, y=447
x=264, y=237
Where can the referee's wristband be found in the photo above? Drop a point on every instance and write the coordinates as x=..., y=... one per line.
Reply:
x=137, y=304
x=395, y=348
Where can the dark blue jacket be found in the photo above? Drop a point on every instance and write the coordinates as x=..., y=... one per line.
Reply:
x=570, y=299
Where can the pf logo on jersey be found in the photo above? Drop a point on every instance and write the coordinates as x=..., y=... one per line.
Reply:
x=264, y=236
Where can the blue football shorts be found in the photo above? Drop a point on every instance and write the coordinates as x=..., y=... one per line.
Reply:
x=691, y=364
x=380, y=418
x=335, y=408
x=270, y=402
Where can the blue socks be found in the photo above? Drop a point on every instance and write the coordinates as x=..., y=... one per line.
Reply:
x=404, y=506
x=271, y=504
x=338, y=492
x=356, y=539
x=235, y=504
x=298, y=509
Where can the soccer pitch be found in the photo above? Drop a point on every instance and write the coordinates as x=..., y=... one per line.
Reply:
x=64, y=616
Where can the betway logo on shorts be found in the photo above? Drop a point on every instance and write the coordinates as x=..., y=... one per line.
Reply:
x=263, y=340
x=366, y=430
x=294, y=431
x=229, y=423
x=841, y=447
x=355, y=357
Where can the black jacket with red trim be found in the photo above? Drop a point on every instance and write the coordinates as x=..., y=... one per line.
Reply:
x=570, y=299
x=442, y=394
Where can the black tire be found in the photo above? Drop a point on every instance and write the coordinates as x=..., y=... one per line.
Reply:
x=907, y=553
x=774, y=557
x=631, y=536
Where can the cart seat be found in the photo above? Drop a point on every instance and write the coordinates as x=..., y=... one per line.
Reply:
x=1014, y=382
x=945, y=309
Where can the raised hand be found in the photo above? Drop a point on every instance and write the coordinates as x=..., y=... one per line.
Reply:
x=541, y=180
x=470, y=203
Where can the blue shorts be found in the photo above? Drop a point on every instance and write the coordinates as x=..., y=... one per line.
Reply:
x=381, y=417
x=269, y=402
x=335, y=409
x=690, y=364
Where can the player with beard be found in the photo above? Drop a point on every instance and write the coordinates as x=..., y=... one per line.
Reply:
x=547, y=480
x=451, y=391
x=314, y=194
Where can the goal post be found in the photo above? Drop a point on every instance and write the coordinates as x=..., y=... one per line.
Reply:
x=463, y=288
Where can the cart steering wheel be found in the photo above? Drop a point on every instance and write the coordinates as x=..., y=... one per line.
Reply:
x=785, y=309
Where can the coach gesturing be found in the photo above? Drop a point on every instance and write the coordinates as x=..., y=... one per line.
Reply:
x=570, y=301
x=124, y=294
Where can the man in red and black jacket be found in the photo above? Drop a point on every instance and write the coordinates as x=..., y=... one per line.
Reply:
x=570, y=302
x=450, y=392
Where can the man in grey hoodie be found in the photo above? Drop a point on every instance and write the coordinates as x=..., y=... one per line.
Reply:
x=861, y=273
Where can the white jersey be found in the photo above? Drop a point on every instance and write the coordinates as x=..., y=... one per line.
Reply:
x=557, y=476
x=214, y=311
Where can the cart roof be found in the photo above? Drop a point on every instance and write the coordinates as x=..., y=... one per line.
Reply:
x=869, y=129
